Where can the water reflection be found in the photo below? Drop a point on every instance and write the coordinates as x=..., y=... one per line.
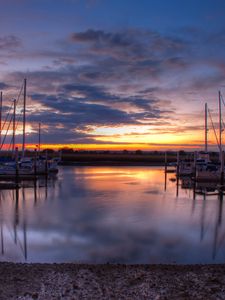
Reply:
x=112, y=214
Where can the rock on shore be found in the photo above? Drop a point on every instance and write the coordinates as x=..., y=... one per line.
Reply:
x=80, y=281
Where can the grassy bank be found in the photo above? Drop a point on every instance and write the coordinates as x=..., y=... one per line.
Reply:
x=115, y=159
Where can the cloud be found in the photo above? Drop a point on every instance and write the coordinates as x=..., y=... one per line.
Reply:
x=3, y=86
x=9, y=42
x=124, y=77
x=142, y=49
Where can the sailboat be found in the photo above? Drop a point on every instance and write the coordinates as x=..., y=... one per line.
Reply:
x=25, y=167
x=210, y=171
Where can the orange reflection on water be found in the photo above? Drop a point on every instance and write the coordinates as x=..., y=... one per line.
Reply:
x=121, y=181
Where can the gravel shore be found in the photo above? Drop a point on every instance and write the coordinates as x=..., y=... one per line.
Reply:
x=80, y=281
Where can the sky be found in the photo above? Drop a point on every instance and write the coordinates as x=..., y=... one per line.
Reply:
x=110, y=74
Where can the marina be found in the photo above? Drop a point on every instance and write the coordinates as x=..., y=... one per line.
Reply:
x=80, y=216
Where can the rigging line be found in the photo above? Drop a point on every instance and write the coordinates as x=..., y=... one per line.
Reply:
x=214, y=129
x=17, y=100
x=10, y=144
x=21, y=89
x=20, y=116
x=18, y=121
x=7, y=116
x=222, y=99
x=6, y=133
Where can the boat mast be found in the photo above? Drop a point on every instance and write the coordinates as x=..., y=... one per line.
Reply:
x=14, y=125
x=220, y=123
x=206, y=128
x=220, y=141
x=39, y=138
x=24, y=115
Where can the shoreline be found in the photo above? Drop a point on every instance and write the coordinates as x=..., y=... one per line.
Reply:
x=111, y=281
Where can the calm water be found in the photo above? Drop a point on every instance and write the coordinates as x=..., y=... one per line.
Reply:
x=111, y=214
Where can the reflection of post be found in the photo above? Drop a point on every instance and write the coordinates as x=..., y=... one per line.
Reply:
x=25, y=239
x=220, y=207
x=165, y=170
x=218, y=223
x=177, y=191
x=35, y=191
x=46, y=187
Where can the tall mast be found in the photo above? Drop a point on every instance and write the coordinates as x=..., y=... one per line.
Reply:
x=39, y=138
x=1, y=119
x=220, y=142
x=14, y=125
x=220, y=124
x=206, y=128
x=24, y=114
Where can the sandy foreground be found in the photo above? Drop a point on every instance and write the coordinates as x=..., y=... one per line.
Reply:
x=74, y=281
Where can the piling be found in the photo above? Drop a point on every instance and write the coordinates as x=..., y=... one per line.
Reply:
x=17, y=167
x=35, y=162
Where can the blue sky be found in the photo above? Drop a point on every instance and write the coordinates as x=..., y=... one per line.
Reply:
x=114, y=72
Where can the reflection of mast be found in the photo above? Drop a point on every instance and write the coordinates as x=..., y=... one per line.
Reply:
x=203, y=217
x=46, y=187
x=218, y=223
x=35, y=191
x=24, y=226
x=16, y=216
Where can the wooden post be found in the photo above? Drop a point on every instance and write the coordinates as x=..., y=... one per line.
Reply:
x=17, y=166
x=195, y=168
x=46, y=162
x=35, y=162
